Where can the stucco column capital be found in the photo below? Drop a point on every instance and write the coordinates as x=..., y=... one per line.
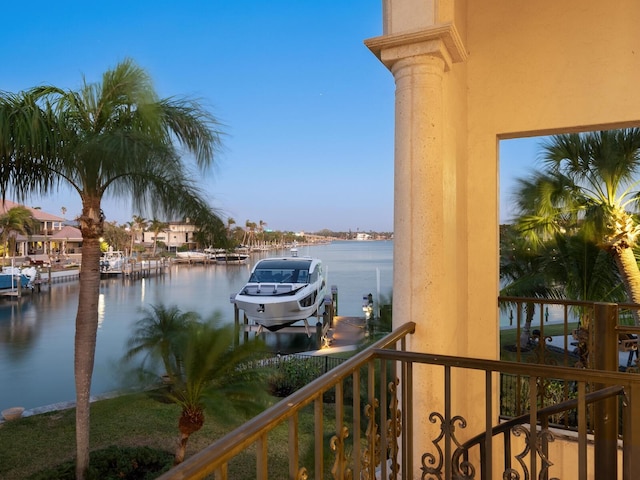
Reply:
x=442, y=41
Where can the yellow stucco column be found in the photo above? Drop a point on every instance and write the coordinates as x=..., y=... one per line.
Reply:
x=418, y=210
x=425, y=214
x=422, y=290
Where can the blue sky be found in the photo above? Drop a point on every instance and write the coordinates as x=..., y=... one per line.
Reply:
x=518, y=159
x=307, y=109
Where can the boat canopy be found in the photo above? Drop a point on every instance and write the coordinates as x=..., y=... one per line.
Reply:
x=282, y=270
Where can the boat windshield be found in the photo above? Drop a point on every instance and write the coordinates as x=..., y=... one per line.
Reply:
x=280, y=275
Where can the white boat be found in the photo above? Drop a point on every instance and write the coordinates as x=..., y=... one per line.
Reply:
x=11, y=276
x=231, y=258
x=112, y=262
x=282, y=291
x=192, y=256
x=234, y=257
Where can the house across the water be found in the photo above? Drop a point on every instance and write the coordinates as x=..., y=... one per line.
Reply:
x=54, y=241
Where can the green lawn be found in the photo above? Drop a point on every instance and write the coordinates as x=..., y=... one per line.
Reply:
x=31, y=444
x=508, y=339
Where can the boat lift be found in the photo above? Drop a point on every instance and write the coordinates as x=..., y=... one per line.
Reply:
x=322, y=328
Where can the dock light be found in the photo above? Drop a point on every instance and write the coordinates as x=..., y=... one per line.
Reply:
x=367, y=306
x=232, y=298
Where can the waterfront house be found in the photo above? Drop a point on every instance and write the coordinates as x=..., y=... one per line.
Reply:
x=53, y=238
x=467, y=75
x=175, y=235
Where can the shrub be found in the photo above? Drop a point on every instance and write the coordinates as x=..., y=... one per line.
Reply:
x=291, y=374
x=115, y=463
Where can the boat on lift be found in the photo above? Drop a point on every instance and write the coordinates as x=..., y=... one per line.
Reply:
x=112, y=262
x=282, y=291
x=10, y=277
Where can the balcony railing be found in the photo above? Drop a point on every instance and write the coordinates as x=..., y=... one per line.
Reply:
x=365, y=425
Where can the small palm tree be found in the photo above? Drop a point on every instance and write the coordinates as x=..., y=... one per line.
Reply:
x=157, y=335
x=218, y=378
x=523, y=272
x=250, y=229
x=208, y=372
x=261, y=226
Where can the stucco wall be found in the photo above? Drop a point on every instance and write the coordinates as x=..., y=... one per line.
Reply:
x=537, y=68
x=512, y=68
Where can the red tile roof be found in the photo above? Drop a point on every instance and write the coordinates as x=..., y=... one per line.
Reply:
x=36, y=212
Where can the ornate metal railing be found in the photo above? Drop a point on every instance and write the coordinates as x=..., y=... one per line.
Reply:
x=594, y=335
x=364, y=426
x=351, y=454
x=518, y=426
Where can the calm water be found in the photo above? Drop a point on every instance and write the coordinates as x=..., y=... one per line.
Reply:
x=36, y=333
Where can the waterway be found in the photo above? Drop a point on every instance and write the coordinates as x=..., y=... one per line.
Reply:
x=37, y=332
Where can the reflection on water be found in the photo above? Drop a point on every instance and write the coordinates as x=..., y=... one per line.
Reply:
x=37, y=332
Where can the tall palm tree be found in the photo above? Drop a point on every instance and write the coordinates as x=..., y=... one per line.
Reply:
x=589, y=184
x=250, y=228
x=156, y=226
x=138, y=224
x=230, y=221
x=261, y=226
x=114, y=137
x=16, y=220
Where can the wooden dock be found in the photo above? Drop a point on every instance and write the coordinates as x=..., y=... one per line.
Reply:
x=49, y=276
x=146, y=268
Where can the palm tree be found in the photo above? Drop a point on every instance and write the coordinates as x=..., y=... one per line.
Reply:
x=138, y=224
x=156, y=226
x=588, y=185
x=157, y=335
x=16, y=220
x=261, y=226
x=587, y=272
x=230, y=221
x=207, y=371
x=250, y=228
x=217, y=378
x=524, y=273
x=111, y=137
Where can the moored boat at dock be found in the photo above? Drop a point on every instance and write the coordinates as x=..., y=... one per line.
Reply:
x=192, y=256
x=10, y=277
x=282, y=291
x=112, y=262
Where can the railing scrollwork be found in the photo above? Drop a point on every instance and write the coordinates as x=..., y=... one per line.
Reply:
x=394, y=429
x=373, y=440
x=432, y=465
x=340, y=470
